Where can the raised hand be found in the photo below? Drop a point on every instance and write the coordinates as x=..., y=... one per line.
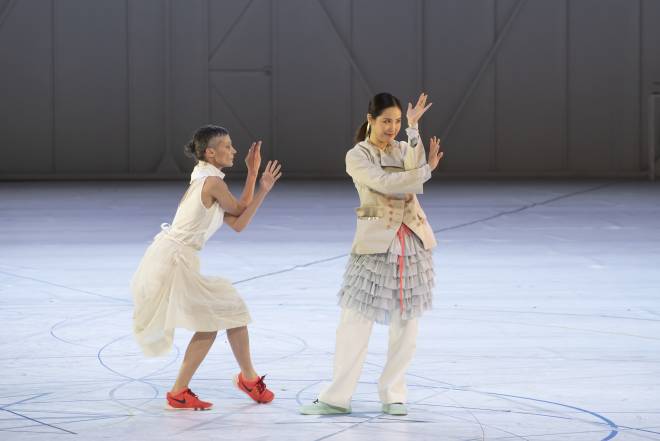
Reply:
x=434, y=153
x=270, y=175
x=253, y=158
x=414, y=114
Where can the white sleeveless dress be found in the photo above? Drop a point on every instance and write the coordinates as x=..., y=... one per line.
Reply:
x=168, y=290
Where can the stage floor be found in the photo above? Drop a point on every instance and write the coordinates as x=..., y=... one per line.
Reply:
x=546, y=323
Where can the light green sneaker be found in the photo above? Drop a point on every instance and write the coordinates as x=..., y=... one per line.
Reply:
x=395, y=409
x=321, y=408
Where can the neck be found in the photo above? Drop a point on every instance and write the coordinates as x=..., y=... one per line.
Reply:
x=212, y=163
x=380, y=144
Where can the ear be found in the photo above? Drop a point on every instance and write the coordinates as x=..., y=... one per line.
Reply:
x=370, y=118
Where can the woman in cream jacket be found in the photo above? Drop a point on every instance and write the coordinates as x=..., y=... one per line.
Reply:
x=389, y=277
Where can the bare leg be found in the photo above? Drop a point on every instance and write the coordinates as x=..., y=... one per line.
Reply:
x=195, y=353
x=239, y=339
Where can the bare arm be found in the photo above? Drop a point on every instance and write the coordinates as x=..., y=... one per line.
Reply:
x=253, y=162
x=268, y=178
x=216, y=189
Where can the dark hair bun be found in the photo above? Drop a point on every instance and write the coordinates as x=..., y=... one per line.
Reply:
x=189, y=149
x=196, y=147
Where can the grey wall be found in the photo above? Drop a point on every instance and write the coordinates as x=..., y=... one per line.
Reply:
x=100, y=88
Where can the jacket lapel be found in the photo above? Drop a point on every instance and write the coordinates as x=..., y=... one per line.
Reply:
x=389, y=158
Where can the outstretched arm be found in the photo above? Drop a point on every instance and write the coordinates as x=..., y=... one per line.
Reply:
x=270, y=175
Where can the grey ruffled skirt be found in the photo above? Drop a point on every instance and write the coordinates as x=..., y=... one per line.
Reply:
x=371, y=283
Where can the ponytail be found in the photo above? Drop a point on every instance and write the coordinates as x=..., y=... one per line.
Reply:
x=361, y=133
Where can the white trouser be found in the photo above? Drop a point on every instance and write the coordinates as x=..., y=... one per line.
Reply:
x=353, y=335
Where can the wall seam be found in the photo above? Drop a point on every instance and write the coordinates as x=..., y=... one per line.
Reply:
x=493, y=158
x=567, y=95
x=274, y=5
x=52, y=81
x=128, y=86
x=642, y=100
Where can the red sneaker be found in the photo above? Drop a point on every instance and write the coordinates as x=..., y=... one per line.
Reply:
x=256, y=389
x=187, y=400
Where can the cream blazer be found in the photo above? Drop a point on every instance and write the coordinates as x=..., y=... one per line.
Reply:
x=388, y=182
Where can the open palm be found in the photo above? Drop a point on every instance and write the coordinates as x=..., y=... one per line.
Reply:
x=435, y=154
x=414, y=114
x=253, y=158
x=270, y=175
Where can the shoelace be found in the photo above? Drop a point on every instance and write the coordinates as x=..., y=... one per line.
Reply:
x=260, y=385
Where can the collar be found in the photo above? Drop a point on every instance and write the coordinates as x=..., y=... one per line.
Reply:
x=389, y=157
x=204, y=169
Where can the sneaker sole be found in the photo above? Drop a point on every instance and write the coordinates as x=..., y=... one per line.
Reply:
x=328, y=413
x=386, y=412
x=201, y=409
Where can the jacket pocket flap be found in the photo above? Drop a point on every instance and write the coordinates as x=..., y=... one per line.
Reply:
x=368, y=211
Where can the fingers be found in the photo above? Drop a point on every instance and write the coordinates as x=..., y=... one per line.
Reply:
x=271, y=174
x=435, y=155
x=434, y=148
x=421, y=100
x=273, y=167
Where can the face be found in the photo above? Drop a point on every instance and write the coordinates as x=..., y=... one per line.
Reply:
x=220, y=151
x=386, y=126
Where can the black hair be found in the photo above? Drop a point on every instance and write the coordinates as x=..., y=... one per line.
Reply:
x=377, y=105
x=196, y=147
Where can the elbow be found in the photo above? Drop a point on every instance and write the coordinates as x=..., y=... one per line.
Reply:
x=237, y=211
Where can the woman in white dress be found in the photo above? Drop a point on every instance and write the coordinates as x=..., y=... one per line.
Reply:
x=168, y=290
